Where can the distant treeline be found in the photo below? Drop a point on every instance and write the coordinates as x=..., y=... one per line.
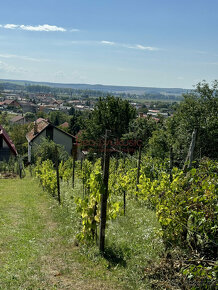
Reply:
x=86, y=93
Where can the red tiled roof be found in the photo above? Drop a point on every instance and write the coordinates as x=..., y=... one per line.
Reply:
x=8, y=140
x=40, y=124
x=8, y=102
x=65, y=125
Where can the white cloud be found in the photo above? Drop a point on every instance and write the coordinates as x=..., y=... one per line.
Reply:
x=10, y=26
x=115, y=44
x=22, y=57
x=136, y=46
x=7, y=68
x=44, y=27
x=142, y=47
x=74, y=30
x=107, y=42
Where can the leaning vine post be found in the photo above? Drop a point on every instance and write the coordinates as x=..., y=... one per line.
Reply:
x=104, y=196
x=189, y=158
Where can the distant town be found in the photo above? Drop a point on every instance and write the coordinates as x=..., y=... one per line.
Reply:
x=18, y=98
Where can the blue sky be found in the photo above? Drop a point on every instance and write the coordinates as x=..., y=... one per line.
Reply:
x=159, y=43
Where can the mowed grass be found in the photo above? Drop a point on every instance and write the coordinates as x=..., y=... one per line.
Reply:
x=37, y=248
x=133, y=241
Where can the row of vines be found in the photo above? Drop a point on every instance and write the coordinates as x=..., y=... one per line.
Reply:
x=185, y=203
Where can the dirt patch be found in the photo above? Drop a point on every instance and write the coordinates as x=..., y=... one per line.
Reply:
x=8, y=175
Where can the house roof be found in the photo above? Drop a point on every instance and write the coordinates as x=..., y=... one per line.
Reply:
x=65, y=125
x=40, y=125
x=17, y=118
x=8, y=102
x=8, y=140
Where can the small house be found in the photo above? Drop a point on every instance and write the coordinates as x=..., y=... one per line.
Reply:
x=43, y=129
x=18, y=120
x=7, y=148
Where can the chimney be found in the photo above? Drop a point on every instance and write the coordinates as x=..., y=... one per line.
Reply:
x=35, y=128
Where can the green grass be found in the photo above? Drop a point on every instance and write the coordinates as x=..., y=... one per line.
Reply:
x=38, y=249
x=132, y=241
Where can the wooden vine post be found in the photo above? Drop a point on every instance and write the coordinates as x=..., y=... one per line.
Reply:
x=104, y=197
x=124, y=193
x=139, y=167
x=189, y=158
x=171, y=163
x=57, y=173
x=74, y=160
x=20, y=167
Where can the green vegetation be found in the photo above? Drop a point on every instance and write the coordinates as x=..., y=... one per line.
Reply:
x=37, y=245
x=161, y=196
x=185, y=205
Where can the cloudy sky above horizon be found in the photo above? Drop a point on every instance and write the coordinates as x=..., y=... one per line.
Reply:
x=116, y=42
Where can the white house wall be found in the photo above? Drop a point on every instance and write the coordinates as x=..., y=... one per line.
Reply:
x=5, y=145
x=58, y=137
x=63, y=139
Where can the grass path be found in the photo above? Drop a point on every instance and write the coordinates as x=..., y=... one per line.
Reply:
x=34, y=252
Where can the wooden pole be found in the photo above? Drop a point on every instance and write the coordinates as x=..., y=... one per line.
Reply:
x=171, y=163
x=139, y=167
x=57, y=174
x=124, y=202
x=189, y=158
x=104, y=196
x=73, y=177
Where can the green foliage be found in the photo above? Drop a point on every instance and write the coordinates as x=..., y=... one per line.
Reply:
x=66, y=169
x=30, y=116
x=76, y=124
x=89, y=205
x=4, y=118
x=18, y=136
x=198, y=110
x=187, y=207
x=113, y=114
x=46, y=174
x=47, y=149
x=57, y=118
x=141, y=129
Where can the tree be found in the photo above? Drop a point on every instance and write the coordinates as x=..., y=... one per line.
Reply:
x=72, y=111
x=48, y=149
x=30, y=116
x=112, y=114
x=198, y=111
x=141, y=129
x=57, y=118
x=18, y=136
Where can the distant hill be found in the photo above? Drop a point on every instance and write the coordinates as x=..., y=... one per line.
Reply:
x=104, y=88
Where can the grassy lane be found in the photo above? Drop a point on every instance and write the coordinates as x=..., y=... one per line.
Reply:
x=35, y=253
